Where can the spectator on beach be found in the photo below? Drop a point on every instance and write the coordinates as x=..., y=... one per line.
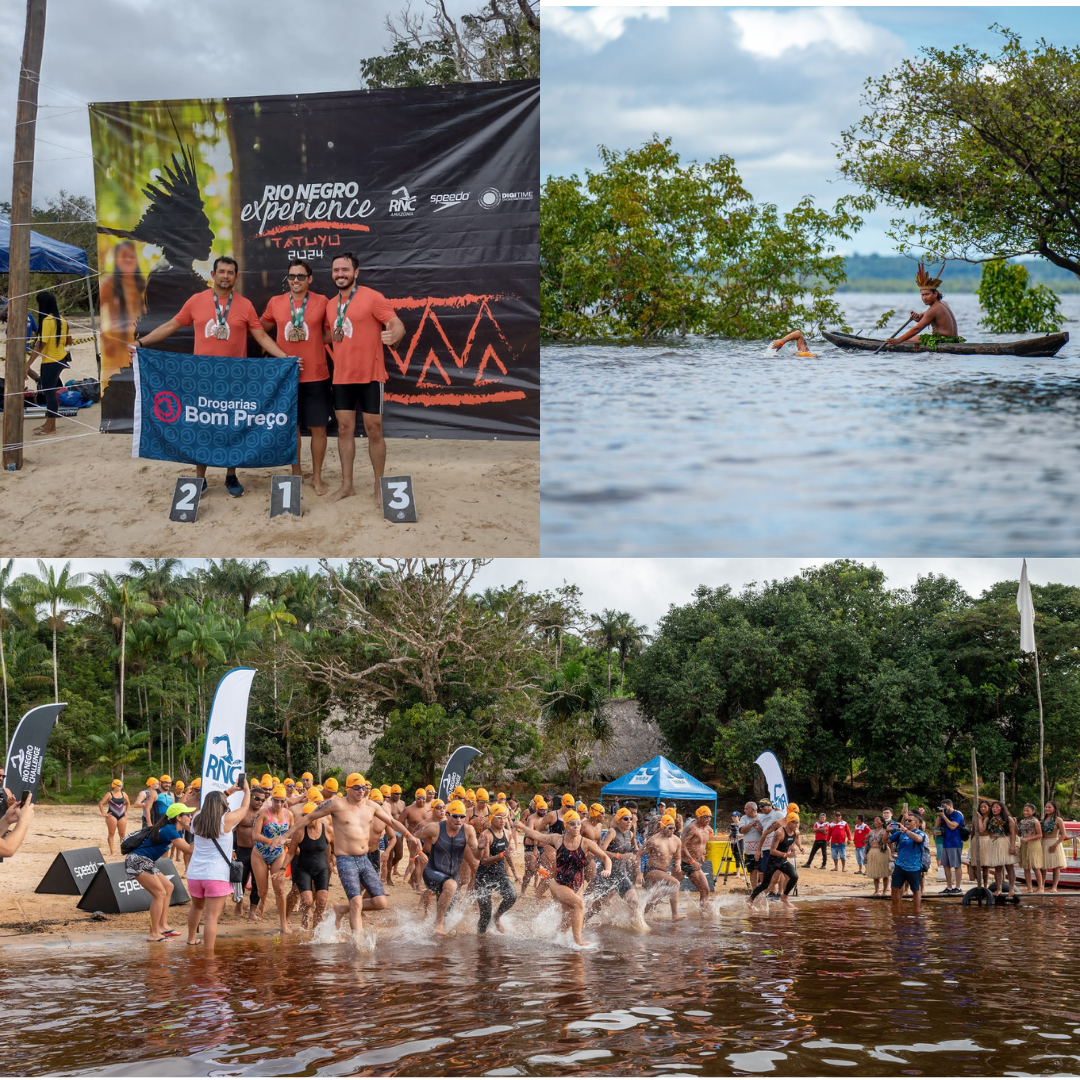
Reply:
x=821, y=841
x=859, y=835
x=949, y=821
x=16, y=819
x=839, y=835
x=51, y=345
x=910, y=841
x=1053, y=827
x=750, y=829
x=877, y=859
x=1029, y=835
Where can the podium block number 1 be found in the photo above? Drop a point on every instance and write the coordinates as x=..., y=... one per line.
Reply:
x=284, y=495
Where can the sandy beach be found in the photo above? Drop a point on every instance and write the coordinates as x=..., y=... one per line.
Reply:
x=26, y=916
x=87, y=496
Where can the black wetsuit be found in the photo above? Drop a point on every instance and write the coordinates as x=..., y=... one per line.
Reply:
x=310, y=869
x=491, y=879
x=779, y=865
x=244, y=855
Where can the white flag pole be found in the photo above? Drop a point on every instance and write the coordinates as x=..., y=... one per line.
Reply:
x=1026, y=608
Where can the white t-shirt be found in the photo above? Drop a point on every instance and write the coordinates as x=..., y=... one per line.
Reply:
x=206, y=862
x=766, y=820
x=752, y=837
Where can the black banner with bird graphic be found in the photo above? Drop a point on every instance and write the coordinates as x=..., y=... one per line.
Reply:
x=434, y=189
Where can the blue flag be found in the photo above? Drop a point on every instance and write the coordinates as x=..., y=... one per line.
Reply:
x=224, y=411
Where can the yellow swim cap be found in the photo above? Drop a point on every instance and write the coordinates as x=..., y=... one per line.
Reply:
x=456, y=807
x=309, y=807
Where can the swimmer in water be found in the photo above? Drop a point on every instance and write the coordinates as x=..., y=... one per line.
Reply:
x=694, y=838
x=269, y=853
x=445, y=841
x=592, y=828
x=312, y=865
x=414, y=817
x=661, y=850
x=620, y=843
x=801, y=348
x=535, y=818
x=571, y=854
x=493, y=853
x=785, y=834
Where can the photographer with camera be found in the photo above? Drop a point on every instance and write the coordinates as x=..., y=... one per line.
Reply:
x=19, y=817
x=910, y=840
x=951, y=822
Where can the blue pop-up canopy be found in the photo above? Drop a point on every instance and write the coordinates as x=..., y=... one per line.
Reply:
x=659, y=779
x=47, y=256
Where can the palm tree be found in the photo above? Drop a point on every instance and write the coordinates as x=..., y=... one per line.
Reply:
x=195, y=633
x=118, y=601
x=275, y=619
x=605, y=634
x=120, y=748
x=9, y=598
x=573, y=717
x=231, y=578
x=54, y=591
x=157, y=578
x=629, y=638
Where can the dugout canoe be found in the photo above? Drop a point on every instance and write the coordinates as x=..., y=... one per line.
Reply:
x=1047, y=345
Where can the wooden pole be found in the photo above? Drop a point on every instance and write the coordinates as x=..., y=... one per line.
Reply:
x=973, y=853
x=22, y=183
x=1042, y=738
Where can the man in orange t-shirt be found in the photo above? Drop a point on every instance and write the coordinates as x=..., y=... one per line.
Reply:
x=359, y=322
x=222, y=320
x=297, y=318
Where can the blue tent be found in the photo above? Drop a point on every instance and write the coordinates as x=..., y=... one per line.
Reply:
x=659, y=779
x=47, y=256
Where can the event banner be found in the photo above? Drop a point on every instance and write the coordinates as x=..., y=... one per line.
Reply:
x=215, y=410
x=454, y=771
x=434, y=189
x=26, y=754
x=774, y=777
x=226, y=731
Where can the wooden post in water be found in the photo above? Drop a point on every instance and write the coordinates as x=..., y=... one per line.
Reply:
x=1042, y=740
x=22, y=183
x=973, y=852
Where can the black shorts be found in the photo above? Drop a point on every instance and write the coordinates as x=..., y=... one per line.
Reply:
x=366, y=397
x=435, y=880
x=314, y=405
x=751, y=862
x=311, y=879
x=687, y=869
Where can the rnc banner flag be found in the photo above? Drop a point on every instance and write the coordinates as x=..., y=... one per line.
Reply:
x=215, y=410
x=223, y=756
x=774, y=776
x=26, y=754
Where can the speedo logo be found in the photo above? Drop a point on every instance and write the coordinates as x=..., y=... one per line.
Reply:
x=449, y=199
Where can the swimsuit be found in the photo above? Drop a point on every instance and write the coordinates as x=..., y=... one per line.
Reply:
x=491, y=879
x=777, y=865
x=310, y=870
x=621, y=844
x=116, y=808
x=570, y=866
x=445, y=859
x=271, y=830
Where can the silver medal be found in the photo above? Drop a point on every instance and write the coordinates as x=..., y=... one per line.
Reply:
x=294, y=333
x=221, y=332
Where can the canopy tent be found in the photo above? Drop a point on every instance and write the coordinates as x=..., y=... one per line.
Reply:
x=659, y=779
x=47, y=256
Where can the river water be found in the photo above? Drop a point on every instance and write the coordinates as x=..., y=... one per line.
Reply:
x=835, y=987
x=716, y=447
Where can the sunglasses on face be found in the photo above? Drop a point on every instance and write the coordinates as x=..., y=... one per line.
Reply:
x=458, y=817
x=296, y=277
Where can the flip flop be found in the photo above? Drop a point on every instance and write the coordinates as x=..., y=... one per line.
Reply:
x=171, y=933
x=197, y=941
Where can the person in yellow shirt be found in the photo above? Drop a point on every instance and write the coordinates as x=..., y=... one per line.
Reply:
x=51, y=346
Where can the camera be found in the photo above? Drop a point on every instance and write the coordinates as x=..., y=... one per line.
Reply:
x=941, y=809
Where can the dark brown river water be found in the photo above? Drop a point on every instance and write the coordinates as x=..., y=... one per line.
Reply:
x=837, y=987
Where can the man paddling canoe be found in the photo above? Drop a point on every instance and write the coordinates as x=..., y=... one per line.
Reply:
x=938, y=315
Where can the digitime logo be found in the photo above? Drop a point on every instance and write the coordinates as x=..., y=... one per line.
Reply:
x=492, y=198
x=402, y=204
x=451, y=199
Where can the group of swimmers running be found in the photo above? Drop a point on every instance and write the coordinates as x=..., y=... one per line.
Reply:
x=577, y=854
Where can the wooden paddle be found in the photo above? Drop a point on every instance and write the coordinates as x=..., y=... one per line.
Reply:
x=900, y=331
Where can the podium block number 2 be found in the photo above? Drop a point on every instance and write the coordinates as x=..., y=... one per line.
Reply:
x=397, y=498
x=185, y=500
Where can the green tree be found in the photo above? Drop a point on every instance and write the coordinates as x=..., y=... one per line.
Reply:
x=649, y=247
x=273, y=619
x=1012, y=305
x=119, y=749
x=62, y=595
x=415, y=744
x=980, y=152
x=499, y=41
x=573, y=719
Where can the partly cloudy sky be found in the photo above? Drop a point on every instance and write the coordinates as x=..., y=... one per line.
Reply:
x=133, y=50
x=772, y=87
x=648, y=587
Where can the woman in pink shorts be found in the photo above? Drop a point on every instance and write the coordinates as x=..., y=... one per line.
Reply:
x=208, y=871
